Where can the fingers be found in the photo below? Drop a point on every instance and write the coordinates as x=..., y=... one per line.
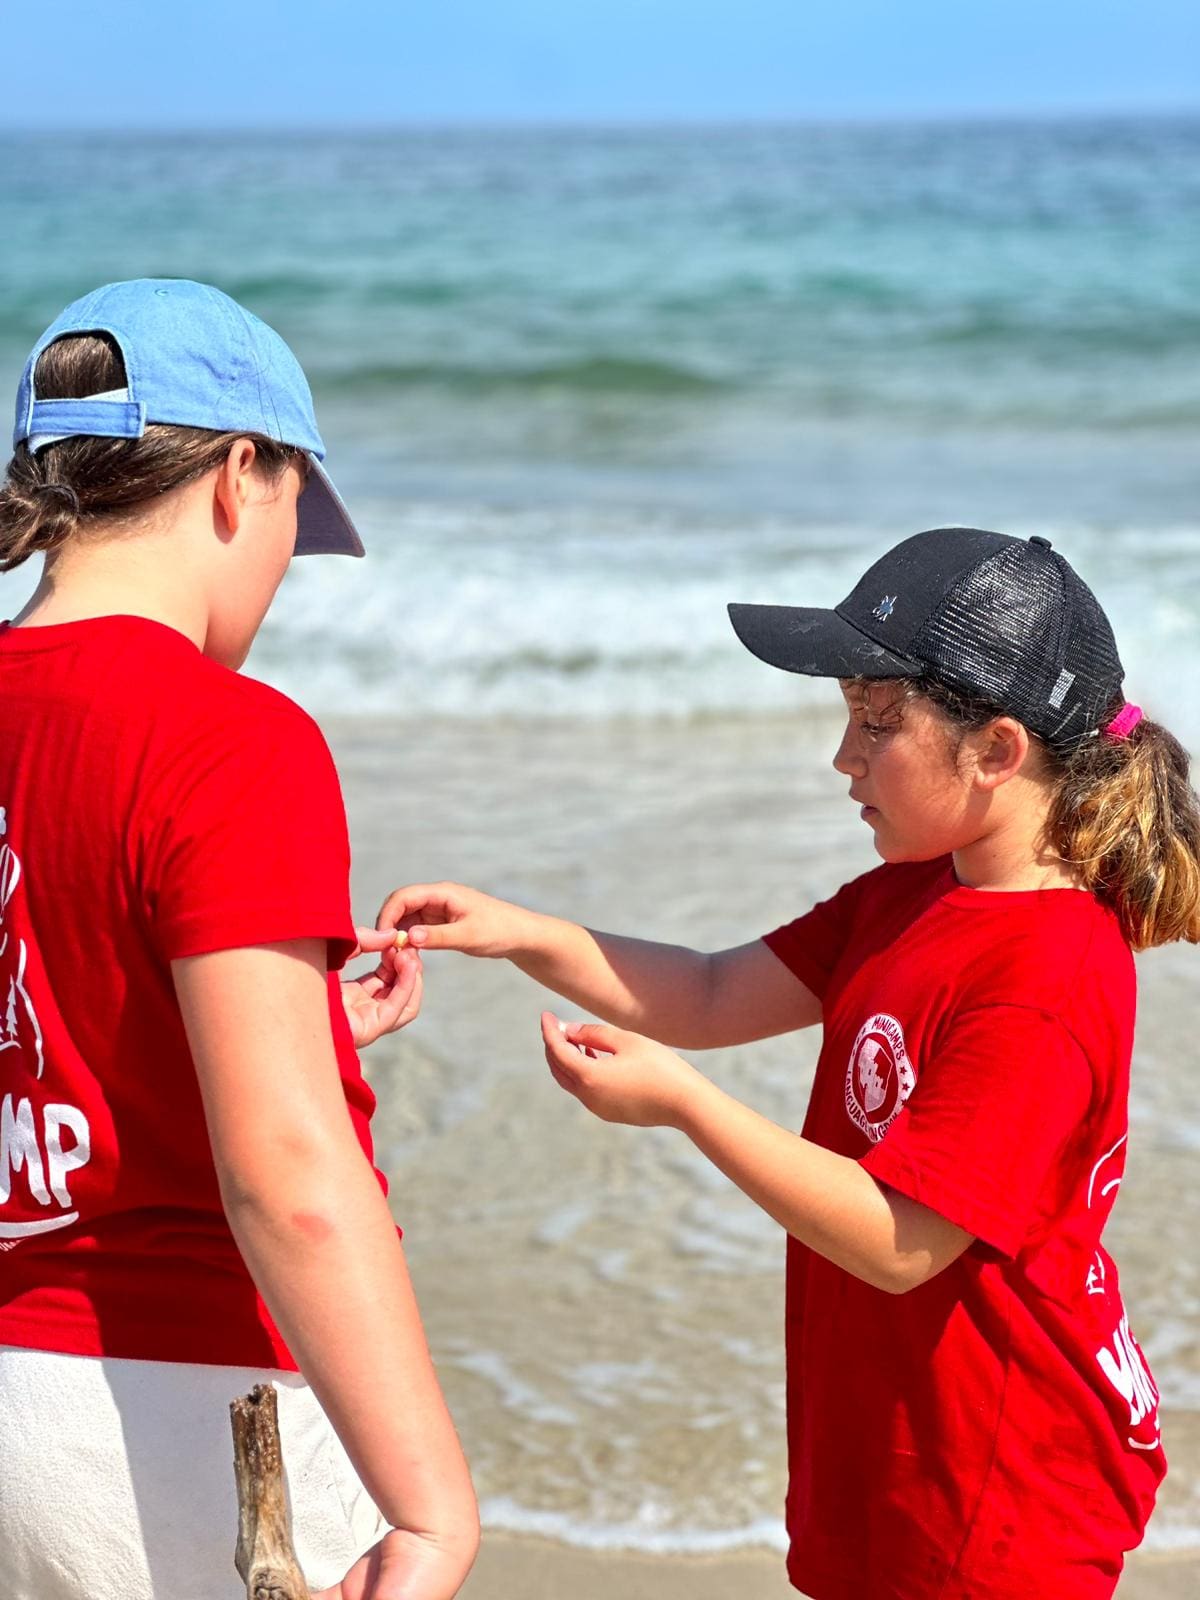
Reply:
x=428, y=915
x=371, y=940
x=594, y=1038
x=411, y=1004
x=393, y=963
x=589, y=1038
x=375, y=1008
x=432, y=902
x=395, y=1000
x=567, y=1042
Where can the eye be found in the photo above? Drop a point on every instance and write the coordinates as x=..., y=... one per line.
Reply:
x=874, y=731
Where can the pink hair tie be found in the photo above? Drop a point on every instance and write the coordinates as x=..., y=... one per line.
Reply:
x=1123, y=724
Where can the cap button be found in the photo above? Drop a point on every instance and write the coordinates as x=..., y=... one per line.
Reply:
x=1042, y=544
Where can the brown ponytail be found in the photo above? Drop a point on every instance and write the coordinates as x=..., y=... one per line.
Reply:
x=84, y=483
x=1125, y=815
x=1122, y=813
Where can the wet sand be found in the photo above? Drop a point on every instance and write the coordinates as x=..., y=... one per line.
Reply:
x=604, y=1308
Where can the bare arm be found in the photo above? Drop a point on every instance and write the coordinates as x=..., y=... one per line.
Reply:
x=316, y=1234
x=693, y=1000
x=827, y=1201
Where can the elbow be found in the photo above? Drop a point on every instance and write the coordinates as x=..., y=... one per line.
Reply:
x=695, y=1031
x=900, y=1275
x=259, y=1217
x=891, y=1271
x=304, y=1196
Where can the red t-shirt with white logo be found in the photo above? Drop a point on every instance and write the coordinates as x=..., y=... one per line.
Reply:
x=153, y=805
x=992, y=1434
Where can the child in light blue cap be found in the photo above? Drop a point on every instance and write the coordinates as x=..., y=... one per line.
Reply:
x=187, y=1200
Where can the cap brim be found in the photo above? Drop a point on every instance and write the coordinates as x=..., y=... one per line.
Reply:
x=819, y=644
x=323, y=525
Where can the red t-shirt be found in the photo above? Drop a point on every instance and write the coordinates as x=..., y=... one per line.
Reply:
x=992, y=1434
x=153, y=805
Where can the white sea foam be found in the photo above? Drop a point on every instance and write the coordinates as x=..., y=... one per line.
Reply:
x=601, y=611
x=514, y=1393
x=652, y=1532
x=586, y=611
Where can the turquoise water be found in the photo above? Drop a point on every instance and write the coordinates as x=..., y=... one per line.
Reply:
x=585, y=386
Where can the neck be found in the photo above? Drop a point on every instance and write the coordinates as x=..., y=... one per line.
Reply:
x=135, y=577
x=1015, y=855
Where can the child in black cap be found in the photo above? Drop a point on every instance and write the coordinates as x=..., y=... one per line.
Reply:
x=969, y=1412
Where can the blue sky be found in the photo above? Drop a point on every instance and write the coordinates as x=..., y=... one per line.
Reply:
x=127, y=63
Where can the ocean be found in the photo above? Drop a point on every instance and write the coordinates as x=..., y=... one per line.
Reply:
x=582, y=387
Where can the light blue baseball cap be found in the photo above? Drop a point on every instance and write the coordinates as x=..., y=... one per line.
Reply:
x=195, y=358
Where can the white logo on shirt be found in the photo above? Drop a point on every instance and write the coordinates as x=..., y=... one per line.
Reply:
x=880, y=1077
x=31, y=1133
x=1124, y=1365
x=1119, y=1357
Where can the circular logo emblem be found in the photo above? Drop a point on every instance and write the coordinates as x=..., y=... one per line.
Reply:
x=880, y=1076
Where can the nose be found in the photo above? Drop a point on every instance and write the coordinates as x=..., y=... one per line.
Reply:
x=848, y=758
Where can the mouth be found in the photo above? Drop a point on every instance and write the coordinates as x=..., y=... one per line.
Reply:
x=865, y=811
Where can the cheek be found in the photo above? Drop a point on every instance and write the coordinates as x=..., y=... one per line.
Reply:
x=924, y=804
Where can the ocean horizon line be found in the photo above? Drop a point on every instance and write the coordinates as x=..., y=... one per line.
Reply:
x=985, y=117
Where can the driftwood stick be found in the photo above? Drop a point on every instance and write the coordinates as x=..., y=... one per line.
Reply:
x=265, y=1559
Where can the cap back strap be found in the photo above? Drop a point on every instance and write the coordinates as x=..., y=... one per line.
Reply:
x=112, y=416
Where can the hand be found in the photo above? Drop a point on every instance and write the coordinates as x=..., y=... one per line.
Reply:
x=406, y=1566
x=619, y=1076
x=448, y=916
x=386, y=999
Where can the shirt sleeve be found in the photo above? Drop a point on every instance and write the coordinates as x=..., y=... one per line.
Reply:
x=988, y=1121
x=246, y=841
x=813, y=944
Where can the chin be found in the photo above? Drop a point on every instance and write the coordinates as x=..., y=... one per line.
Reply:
x=896, y=851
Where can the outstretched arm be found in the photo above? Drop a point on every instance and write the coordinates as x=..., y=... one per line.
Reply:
x=827, y=1201
x=691, y=999
x=315, y=1231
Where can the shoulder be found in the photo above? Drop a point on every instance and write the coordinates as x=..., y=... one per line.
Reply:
x=204, y=726
x=1061, y=952
x=184, y=694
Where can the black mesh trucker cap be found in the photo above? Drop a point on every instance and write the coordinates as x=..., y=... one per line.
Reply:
x=1004, y=619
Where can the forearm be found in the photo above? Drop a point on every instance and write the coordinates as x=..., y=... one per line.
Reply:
x=825, y=1200
x=658, y=989
x=322, y=1247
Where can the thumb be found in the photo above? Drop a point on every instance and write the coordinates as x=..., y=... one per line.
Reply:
x=439, y=936
x=596, y=1037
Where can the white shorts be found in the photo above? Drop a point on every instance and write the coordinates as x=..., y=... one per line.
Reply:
x=116, y=1480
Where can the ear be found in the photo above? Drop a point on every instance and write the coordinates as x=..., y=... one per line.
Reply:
x=232, y=489
x=1001, y=750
